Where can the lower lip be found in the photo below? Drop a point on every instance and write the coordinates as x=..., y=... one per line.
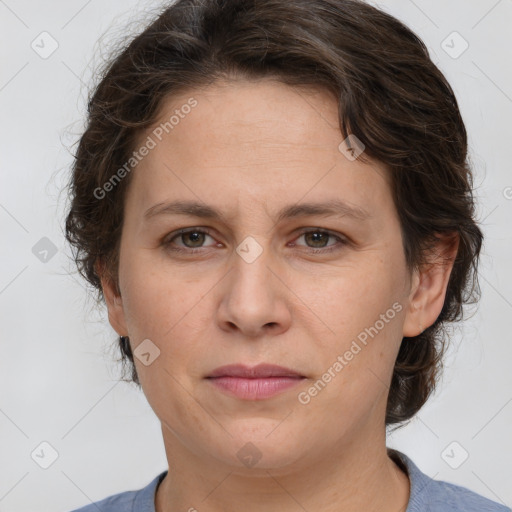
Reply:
x=254, y=389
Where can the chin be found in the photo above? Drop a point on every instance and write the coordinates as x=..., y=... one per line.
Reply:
x=262, y=444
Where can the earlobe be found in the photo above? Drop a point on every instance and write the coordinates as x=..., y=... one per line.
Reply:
x=113, y=299
x=431, y=282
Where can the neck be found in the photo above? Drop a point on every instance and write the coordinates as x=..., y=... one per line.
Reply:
x=352, y=477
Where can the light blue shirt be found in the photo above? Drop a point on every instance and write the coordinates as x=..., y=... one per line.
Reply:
x=426, y=495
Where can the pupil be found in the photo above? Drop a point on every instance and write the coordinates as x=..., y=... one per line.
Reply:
x=317, y=236
x=194, y=236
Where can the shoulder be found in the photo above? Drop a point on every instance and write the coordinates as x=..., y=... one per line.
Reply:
x=122, y=502
x=429, y=495
x=141, y=500
x=454, y=498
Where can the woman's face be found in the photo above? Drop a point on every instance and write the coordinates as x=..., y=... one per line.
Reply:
x=255, y=288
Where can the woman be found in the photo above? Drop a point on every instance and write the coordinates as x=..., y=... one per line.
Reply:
x=274, y=201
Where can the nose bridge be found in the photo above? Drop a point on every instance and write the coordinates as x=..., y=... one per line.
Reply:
x=253, y=298
x=251, y=274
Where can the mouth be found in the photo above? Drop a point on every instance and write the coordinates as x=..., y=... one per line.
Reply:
x=254, y=383
x=261, y=371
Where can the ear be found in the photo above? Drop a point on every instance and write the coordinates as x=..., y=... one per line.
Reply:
x=113, y=298
x=429, y=286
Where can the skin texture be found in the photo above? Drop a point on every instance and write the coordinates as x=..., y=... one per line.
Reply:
x=249, y=149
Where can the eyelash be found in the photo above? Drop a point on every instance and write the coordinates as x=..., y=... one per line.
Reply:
x=168, y=242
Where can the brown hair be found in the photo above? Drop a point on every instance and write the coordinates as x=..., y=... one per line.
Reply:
x=390, y=96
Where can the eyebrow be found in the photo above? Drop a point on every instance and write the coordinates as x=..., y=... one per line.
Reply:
x=334, y=207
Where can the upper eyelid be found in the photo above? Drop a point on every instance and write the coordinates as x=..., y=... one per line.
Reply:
x=184, y=231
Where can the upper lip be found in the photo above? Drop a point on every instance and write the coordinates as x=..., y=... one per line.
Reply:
x=255, y=372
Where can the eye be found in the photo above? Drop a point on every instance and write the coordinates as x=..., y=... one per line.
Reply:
x=192, y=238
x=319, y=238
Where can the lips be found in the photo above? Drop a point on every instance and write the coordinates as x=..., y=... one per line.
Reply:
x=260, y=371
x=260, y=382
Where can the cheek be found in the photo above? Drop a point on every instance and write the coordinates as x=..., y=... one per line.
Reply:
x=357, y=360
x=355, y=297
x=363, y=310
x=156, y=296
x=165, y=306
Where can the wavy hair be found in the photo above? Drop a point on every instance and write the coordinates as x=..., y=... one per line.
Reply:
x=390, y=96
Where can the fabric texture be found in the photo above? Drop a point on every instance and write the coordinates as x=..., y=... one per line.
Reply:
x=426, y=495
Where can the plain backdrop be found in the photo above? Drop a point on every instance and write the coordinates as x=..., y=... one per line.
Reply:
x=58, y=377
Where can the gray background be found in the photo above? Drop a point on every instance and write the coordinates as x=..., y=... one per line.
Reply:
x=58, y=379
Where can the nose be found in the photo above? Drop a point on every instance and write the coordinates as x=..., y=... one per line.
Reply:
x=255, y=299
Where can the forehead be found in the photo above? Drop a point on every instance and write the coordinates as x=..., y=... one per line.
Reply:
x=251, y=143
